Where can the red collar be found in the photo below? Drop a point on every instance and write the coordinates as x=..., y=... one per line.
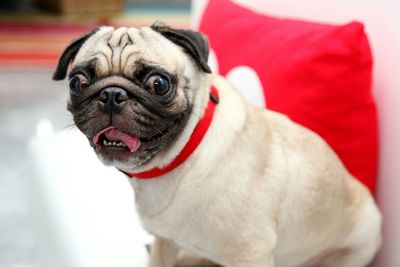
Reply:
x=191, y=145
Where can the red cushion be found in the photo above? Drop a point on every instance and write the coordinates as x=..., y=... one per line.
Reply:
x=317, y=74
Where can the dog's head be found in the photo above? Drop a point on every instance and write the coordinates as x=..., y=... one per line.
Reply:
x=133, y=92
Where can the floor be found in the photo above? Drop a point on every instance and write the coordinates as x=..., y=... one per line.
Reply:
x=26, y=97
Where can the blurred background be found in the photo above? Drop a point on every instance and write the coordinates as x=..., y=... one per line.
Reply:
x=33, y=33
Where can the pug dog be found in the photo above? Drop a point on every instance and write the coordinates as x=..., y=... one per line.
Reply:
x=235, y=184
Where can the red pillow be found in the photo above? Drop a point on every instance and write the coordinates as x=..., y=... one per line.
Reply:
x=319, y=75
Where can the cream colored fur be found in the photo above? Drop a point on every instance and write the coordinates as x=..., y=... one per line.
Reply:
x=259, y=191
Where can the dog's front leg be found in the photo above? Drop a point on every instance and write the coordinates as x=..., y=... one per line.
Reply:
x=255, y=254
x=163, y=253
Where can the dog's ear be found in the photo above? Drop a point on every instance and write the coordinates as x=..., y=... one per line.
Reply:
x=69, y=54
x=194, y=43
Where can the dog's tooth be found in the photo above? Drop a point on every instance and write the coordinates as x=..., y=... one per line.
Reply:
x=114, y=143
x=105, y=142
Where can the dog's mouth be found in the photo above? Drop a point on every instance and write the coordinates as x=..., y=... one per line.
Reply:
x=112, y=137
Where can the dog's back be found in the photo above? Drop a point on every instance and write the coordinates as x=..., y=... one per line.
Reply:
x=325, y=215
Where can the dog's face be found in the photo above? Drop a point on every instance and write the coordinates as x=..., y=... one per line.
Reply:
x=132, y=91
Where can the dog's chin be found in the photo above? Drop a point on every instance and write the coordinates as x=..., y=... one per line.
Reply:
x=123, y=160
x=122, y=157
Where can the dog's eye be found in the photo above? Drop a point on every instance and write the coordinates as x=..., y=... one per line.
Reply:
x=77, y=83
x=158, y=85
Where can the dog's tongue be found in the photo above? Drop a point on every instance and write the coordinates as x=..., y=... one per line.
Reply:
x=114, y=134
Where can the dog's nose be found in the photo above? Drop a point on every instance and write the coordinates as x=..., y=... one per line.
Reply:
x=113, y=98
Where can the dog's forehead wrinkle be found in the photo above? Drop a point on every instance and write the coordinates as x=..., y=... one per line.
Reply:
x=118, y=50
x=117, y=36
x=118, y=42
x=102, y=63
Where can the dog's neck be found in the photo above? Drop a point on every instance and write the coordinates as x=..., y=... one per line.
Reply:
x=194, y=140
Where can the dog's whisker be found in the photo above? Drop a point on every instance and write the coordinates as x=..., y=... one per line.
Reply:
x=68, y=126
